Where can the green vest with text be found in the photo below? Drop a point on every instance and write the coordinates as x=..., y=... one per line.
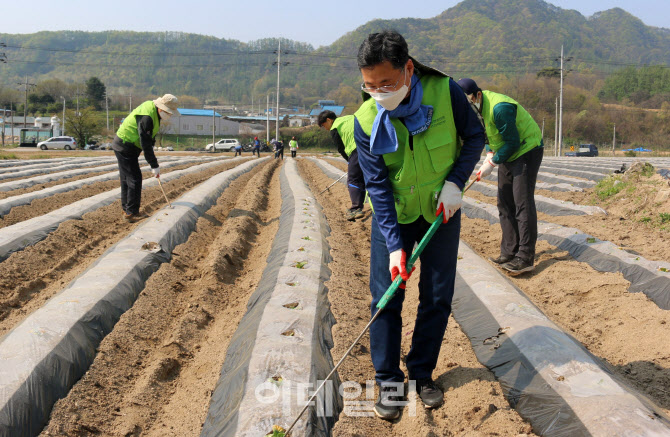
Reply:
x=530, y=135
x=417, y=175
x=128, y=129
x=345, y=127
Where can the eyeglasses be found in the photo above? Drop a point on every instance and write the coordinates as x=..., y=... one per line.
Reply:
x=385, y=88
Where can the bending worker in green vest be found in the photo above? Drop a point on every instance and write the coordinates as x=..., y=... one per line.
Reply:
x=342, y=132
x=418, y=140
x=515, y=145
x=137, y=134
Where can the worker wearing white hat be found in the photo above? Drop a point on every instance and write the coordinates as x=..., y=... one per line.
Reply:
x=137, y=134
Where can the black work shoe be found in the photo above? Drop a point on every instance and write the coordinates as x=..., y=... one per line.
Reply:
x=502, y=259
x=389, y=403
x=431, y=395
x=351, y=215
x=359, y=214
x=133, y=218
x=518, y=266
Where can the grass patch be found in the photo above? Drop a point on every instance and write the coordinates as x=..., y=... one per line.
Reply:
x=664, y=216
x=9, y=156
x=609, y=186
x=645, y=219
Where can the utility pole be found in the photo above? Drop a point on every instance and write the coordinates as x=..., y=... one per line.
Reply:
x=556, y=131
x=4, y=120
x=614, y=140
x=25, y=101
x=213, y=130
x=130, y=103
x=267, y=117
x=560, y=114
x=542, y=128
x=277, y=114
x=63, y=120
x=107, y=109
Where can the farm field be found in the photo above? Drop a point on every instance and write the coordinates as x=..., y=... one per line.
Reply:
x=191, y=291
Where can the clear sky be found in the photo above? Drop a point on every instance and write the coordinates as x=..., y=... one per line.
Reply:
x=318, y=22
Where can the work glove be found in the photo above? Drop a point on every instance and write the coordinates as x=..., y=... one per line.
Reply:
x=156, y=172
x=398, y=266
x=449, y=201
x=486, y=167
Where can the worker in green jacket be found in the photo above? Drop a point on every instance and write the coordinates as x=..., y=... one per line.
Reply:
x=342, y=132
x=418, y=140
x=516, y=148
x=137, y=134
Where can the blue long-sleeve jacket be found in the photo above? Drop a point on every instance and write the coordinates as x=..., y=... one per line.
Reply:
x=375, y=172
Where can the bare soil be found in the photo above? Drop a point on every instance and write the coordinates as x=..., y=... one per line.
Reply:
x=154, y=374
x=30, y=277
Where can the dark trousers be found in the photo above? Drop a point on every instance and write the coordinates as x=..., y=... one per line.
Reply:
x=279, y=153
x=131, y=179
x=355, y=182
x=516, y=205
x=293, y=152
x=237, y=152
x=436, y=290
x=257, y=150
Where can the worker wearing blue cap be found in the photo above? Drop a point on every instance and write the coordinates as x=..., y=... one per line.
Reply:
x=516, y=148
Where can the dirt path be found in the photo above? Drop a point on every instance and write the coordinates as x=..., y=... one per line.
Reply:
x=474, y=402
x=30, y=277
x=155, y=372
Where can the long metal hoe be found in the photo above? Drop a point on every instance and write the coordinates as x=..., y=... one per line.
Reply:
x=338, y=180
x=164, y=195
x=388, y=295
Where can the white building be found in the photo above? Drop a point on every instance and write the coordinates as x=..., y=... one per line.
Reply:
x=199, y=122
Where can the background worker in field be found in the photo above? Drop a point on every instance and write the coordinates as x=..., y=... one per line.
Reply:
x=293, y=147
x=257, y=147
x=137, y=134
x=342, y=132
x=238, y=150
x=408, y=137
x=516, y=146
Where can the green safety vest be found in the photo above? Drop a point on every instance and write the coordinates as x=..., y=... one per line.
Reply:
x=530, y=135
x=293, y=144
x=345, y=127
x=128, y=129
x=417, y=176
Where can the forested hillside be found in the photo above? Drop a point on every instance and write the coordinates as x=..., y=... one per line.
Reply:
x=504, y=44
x=476, y=37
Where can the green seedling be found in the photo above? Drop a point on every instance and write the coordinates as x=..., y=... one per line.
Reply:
x=663, y=269
x=277, y=431
x=590, y=240
x=302, y=249
x=307, y=238
x=300, y=264
x=289, y=333
x=276, y=380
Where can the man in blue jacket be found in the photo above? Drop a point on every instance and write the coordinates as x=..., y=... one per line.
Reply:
x=418, y=140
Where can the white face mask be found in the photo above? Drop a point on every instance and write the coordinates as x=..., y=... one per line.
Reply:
x=478, y=105
x=390, y=101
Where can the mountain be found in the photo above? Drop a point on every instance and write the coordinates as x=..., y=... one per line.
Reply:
x=475, y=37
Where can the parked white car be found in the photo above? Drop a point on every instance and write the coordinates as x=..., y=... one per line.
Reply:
x=226, y=145
x=67, y=143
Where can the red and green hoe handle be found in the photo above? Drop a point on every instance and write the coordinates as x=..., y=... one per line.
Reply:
x=388, y=295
